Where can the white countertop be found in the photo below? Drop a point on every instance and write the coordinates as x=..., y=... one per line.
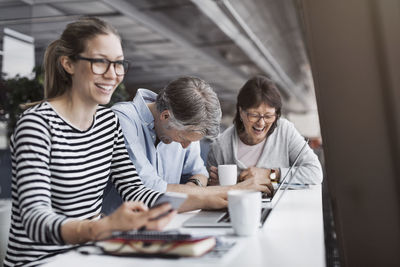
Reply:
x=293, y=235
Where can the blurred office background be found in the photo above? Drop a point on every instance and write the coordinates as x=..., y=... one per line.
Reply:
x=225, y=42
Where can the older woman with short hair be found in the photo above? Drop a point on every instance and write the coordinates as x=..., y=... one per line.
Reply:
x=261, y=143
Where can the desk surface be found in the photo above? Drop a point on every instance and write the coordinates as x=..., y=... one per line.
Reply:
x=293, y=235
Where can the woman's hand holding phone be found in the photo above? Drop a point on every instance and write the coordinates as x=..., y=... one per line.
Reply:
x=175, y=199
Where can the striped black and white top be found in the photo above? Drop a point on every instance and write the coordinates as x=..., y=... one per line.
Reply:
x=59, y=173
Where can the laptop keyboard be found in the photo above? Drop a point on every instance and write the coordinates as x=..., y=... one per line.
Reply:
x=227, y=219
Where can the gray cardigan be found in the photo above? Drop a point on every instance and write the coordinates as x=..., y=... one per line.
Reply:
x=279, y=151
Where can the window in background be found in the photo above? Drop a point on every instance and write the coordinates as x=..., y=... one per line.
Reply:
x=18, y=54
x=18, y=58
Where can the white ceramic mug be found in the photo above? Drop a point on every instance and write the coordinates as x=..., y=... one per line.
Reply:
x=245, y=211
x=227, y=174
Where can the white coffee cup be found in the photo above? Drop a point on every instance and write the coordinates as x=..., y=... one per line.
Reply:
x=227, y=174
x=245, y=211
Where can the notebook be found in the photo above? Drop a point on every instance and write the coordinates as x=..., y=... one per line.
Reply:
x=220, y=218
x=166, y=244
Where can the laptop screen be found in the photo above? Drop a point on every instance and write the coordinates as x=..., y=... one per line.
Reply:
x=284, y=181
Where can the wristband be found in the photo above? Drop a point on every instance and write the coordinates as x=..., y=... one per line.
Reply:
x=195, y=181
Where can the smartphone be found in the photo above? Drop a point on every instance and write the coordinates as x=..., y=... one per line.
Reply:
x=174, y=198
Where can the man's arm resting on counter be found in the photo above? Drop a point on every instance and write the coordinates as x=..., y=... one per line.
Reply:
x=200, y=177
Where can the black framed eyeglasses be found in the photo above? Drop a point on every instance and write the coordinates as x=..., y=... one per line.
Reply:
x=101, y=65
x=252, y=117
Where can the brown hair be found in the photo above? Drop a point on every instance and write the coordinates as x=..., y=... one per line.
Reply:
x=71, y=43
x=253, y=93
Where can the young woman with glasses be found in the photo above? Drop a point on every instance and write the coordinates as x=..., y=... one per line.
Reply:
x=261, y=143
x=66, y=147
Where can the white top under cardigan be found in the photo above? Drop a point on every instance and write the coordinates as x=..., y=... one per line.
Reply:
x=280, y=150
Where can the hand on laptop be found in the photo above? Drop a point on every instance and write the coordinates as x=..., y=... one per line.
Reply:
x=209, y=198
x=257, y=177
x=216, y=200
x=252, y=178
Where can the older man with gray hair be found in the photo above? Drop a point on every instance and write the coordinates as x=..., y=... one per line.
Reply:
x=162, y=134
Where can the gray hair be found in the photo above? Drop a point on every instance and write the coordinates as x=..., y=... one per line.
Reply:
x=192, y=104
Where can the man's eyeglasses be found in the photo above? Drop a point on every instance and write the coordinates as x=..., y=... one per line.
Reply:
x=101, y=65
x=252, y=117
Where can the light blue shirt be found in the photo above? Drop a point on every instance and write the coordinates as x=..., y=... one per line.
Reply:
x=161, y=165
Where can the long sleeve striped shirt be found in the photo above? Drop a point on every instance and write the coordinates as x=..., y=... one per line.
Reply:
x=59, y=173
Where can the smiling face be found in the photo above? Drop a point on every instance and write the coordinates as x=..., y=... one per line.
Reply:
x=90, y=88
x=255, y=126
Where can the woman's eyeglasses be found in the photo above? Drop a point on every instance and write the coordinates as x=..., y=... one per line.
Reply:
x=252, y=117
x=101, y=65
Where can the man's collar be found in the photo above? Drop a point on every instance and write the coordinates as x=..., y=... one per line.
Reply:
x=144, y=96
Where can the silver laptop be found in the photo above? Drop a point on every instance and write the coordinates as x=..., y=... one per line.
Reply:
x=283, y=183
x=220, y=218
